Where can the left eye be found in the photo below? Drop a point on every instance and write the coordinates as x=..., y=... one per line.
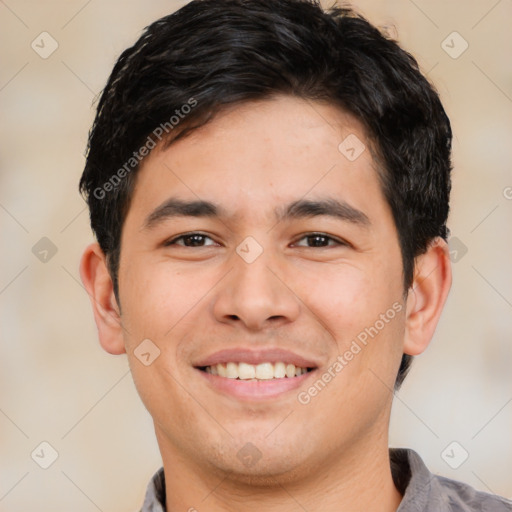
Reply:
x=192, y=240
x=317, y=240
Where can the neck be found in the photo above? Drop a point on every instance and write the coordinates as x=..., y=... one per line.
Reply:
x=357, y=480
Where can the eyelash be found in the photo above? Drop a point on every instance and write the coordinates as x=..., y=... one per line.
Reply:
x=186, y=235
x=329, y=238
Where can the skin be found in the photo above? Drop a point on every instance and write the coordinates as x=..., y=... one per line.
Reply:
x=330, y=454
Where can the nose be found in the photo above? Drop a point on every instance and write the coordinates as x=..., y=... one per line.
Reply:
x=256, y=295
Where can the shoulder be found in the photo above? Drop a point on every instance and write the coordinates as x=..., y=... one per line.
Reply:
x=459, y=496
x=425, y=492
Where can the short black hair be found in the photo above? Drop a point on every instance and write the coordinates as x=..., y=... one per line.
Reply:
x=209, y=54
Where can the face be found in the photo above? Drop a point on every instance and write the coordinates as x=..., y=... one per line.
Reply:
x=259, y=239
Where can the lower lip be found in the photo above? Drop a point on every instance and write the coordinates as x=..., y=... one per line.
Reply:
x=255, y=389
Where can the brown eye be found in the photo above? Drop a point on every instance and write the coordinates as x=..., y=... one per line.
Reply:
x=192, y=240
x=317, y=240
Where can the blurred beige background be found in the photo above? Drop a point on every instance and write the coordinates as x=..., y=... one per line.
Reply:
x=58, y=386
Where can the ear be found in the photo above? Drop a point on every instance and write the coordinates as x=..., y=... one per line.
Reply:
x=427, y=295
x=99, y=286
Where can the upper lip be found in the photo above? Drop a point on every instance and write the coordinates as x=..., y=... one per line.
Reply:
x=243, y=355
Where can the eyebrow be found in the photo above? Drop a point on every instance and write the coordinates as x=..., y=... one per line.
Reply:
x=329, y=207
x=301, y=208
x=178, y=208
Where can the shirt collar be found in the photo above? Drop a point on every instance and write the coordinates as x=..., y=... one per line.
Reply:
x=413, y=480
x=155, y=494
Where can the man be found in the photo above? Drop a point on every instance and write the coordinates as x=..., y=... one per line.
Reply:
x=269, y=183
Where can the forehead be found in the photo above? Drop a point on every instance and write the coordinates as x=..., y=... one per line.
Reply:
x=256, y=155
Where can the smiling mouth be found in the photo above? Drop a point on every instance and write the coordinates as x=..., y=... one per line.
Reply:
x=262, y=371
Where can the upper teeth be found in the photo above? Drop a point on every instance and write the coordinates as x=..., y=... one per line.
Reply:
x=263, y=371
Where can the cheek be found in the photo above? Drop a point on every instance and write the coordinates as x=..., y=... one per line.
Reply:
x=344, y=297
x=360, y=308
x=157, y=296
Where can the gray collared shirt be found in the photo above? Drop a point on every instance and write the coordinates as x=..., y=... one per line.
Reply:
x=422, y=491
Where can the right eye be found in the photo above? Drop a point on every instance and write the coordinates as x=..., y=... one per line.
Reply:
x=191, y=240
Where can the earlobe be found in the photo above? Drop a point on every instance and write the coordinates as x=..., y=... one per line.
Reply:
x=427, y=296
x=98, y=283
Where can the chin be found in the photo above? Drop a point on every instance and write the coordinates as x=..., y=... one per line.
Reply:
x=266, y=475
x=266, y=466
